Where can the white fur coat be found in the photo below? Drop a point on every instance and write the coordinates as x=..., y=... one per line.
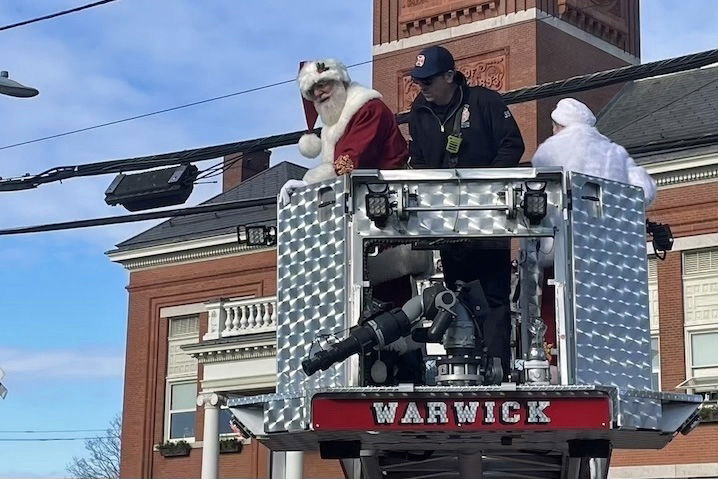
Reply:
x=581, y=148
x=357, y=96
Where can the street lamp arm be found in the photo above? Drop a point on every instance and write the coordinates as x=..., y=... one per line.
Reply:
x=13, y=88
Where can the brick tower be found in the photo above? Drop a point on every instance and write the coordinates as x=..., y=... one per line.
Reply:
x=507, y=44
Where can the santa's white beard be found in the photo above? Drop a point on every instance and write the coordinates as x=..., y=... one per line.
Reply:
x=331, y=109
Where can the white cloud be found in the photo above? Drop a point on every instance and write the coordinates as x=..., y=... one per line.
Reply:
x=29, y=364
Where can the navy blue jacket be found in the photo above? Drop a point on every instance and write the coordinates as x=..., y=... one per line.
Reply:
x=490, y=135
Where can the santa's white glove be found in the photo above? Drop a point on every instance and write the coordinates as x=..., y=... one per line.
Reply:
x=288, y=189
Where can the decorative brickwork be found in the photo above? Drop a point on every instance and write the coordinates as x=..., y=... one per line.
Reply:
x=606, y=19
x=421, y=16
x=150, y=290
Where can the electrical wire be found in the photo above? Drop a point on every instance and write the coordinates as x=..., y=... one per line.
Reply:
x=54, y=15
x=151, y=215
x=661, y=107
x=159, y=112
x=46, y=439
x=51, y=431
x=561, y=87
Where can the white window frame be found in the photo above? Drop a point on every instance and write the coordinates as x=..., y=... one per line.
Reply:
x=176, y=379
x=690, y=329
x=689, y=332
x=169, y=411
x=657, y=337
x=654, y=318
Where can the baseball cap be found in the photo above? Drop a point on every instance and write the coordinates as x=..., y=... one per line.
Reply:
x=432, y=61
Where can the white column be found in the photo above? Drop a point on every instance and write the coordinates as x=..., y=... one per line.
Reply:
x=210, y=438
x=294, y=465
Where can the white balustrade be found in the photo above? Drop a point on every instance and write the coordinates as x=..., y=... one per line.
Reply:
x=241, y=316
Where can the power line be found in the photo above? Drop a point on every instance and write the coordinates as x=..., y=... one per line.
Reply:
x=54, y=15
x=560, y=87
x=46, y=439
x=151, y=215
x=159, y=112
x=51, y=431
x=661, y=107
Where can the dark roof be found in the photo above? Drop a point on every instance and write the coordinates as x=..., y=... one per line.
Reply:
x=668, y=154
x=669, y=111
x=266, y=183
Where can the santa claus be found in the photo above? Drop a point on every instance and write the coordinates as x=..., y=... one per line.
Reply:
x=359, y=130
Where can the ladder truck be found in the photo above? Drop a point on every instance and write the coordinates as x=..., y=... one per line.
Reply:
x=467, y=416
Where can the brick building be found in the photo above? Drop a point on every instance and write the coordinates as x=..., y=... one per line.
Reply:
x=668, y=124
x=201, y=307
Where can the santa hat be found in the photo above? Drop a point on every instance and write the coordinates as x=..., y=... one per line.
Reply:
x=570, y=111
x=310, y=73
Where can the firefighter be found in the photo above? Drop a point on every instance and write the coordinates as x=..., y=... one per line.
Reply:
x=359, y=131
x=453, y=125
x=577, y=145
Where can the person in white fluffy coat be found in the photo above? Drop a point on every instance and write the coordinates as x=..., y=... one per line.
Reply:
x=578, y=146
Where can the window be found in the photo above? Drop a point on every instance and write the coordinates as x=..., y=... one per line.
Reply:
x=183, y=406
x=704, y=349
x=655, y=364
x=654, y=320
x=181, y=392
x=700, y=292
x=704, y=360
x=224, y=417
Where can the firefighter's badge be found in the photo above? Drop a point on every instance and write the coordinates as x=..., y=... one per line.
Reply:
x=465, y=115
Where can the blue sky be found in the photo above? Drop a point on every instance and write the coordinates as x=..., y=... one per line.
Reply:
x=63, y=303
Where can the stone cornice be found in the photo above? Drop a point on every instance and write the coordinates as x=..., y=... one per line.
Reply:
x=531, y=14
x=683, y=170
x=183, y=252
x=235, y=354
x=689, y=176
x=250, y=346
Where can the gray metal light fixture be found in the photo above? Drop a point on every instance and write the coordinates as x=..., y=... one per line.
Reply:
x=13, y=88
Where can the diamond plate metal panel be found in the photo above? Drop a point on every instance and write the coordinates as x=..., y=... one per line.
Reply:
x=311, y=289
x=637, y=412
x=462, y=205
x=610, y=295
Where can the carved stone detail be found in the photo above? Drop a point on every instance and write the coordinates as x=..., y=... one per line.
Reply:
x=607, y=19
x=421, y=16
x=488, y=73
x=211, y=400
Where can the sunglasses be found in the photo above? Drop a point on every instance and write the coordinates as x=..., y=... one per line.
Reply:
x=425, y=81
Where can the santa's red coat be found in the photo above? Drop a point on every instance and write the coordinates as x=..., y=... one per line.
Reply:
x=371, y=140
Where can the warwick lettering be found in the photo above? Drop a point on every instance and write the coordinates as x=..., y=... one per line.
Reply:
x=464, y=412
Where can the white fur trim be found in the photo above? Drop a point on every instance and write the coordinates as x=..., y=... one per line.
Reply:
x=357, y=97
x=319, y=173
x=310, y=145
x=309, y=75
